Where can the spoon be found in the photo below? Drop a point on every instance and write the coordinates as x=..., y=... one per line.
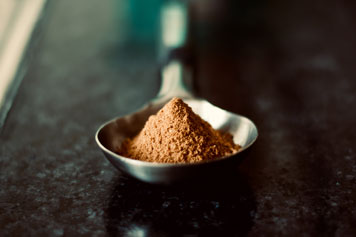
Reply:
x=110, y=135
x=175, y=78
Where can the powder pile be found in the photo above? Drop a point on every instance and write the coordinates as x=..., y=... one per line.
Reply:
x=177, y=135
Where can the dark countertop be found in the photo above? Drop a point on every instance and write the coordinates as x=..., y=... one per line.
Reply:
x=289, y=66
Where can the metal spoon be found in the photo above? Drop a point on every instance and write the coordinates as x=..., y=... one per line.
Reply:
x=174, y=34
x=110, y=136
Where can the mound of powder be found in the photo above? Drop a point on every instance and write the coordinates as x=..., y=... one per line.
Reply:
x=177, y=135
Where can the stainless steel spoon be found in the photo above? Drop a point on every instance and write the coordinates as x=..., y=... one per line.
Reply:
x=110, y=136
x=174, y=32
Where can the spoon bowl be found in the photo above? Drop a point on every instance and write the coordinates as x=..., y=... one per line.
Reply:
x=110, y=136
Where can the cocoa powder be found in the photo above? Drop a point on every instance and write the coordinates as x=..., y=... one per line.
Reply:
x=177, y=135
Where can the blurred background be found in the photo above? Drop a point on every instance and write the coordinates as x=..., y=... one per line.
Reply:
x=122, y=29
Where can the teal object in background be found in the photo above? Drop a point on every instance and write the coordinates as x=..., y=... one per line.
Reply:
x=143, y=20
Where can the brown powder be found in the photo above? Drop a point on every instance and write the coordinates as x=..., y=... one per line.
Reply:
x=177, y=135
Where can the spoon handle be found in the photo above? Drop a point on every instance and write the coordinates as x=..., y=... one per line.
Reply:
x=176, y=76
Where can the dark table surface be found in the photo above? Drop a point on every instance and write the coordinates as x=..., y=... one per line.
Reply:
x=287, y=65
